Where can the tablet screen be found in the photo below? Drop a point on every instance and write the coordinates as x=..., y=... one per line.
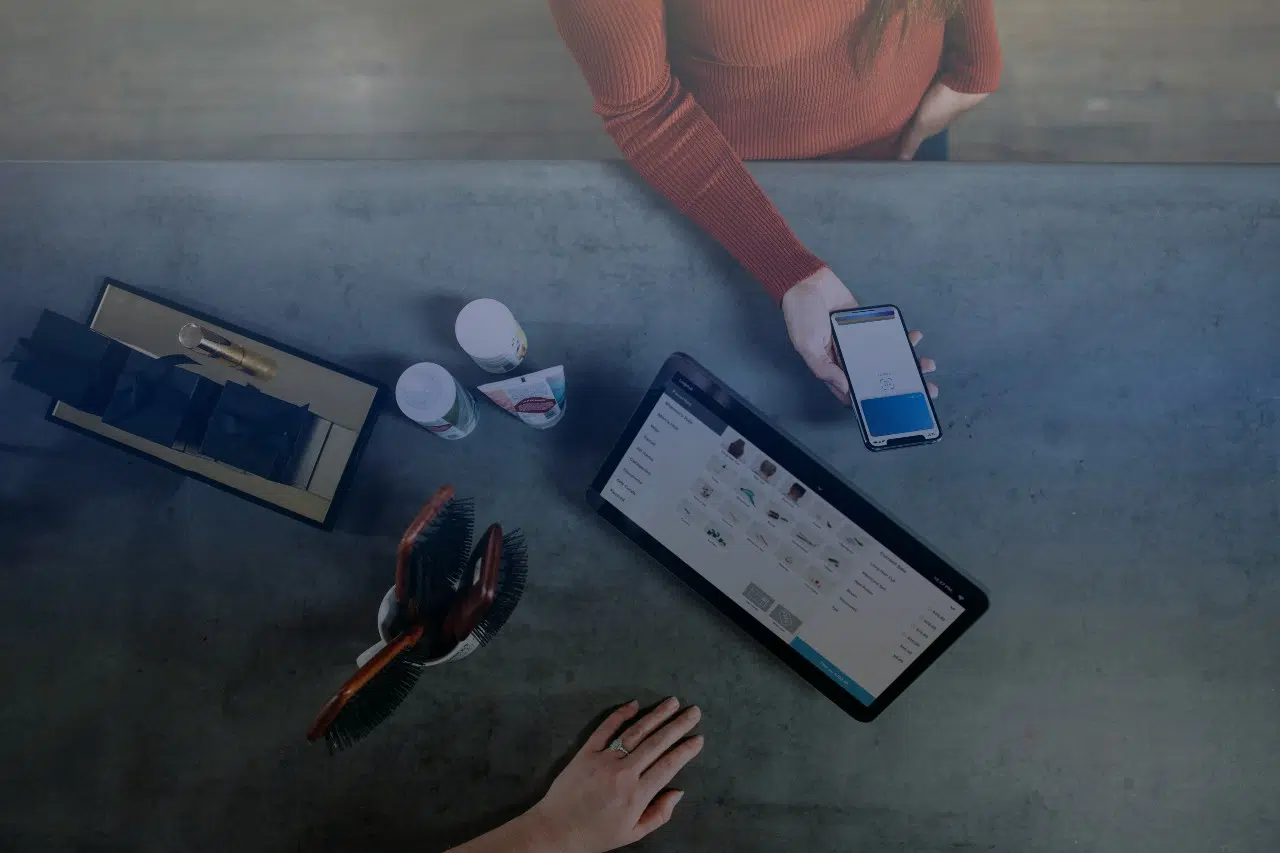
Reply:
x=770, y=543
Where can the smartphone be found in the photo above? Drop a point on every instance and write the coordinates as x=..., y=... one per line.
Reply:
x=889, y=394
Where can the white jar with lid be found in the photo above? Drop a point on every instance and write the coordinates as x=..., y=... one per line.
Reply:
x=488, y=332
x=430, y=396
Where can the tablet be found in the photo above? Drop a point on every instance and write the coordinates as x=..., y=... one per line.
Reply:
x=779, y=543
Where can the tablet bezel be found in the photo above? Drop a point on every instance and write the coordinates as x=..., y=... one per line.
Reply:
x=700, y=384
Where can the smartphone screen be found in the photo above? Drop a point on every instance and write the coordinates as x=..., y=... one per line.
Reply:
x=888, y=391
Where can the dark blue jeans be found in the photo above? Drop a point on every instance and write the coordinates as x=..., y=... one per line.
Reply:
x=933, y=148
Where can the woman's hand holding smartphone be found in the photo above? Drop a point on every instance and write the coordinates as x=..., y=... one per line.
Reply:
x=807, y=309
x=889, y=394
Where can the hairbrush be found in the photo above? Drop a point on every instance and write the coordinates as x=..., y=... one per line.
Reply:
x=437, y=539
x=372, y=694
x=448, y=600
x=489, y=586
x=434, y=542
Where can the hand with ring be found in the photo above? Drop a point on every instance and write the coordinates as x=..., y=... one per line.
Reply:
x=613, y=792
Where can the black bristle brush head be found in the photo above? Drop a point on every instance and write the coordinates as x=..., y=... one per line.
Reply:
x=375, y=702
x=512, y=574
x=437, y=551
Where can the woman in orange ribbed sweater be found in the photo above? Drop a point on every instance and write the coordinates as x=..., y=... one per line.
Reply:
x=690, y=88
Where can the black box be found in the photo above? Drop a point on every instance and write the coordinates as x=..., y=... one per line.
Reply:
x=339, y=408
x=156, y=399
x=256, y=432
x=70, y=362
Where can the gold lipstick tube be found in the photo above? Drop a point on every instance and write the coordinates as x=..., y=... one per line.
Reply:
x=196, y=337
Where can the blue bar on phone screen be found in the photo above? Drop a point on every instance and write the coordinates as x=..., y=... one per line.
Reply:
x=901, y=413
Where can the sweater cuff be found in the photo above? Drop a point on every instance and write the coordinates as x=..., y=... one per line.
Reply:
x=982, y=80
x=783, y=272
x=743, y=219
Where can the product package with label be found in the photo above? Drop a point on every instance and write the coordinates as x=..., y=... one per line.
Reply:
x=535, y=398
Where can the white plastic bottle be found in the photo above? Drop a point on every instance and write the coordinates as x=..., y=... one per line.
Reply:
x=488, y=332
x=430, y=396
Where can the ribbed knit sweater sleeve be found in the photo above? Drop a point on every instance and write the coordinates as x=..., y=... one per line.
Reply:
x=971, y=58
x=621, y=46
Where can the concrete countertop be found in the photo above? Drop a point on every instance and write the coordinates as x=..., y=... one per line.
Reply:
x=1110, y=365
